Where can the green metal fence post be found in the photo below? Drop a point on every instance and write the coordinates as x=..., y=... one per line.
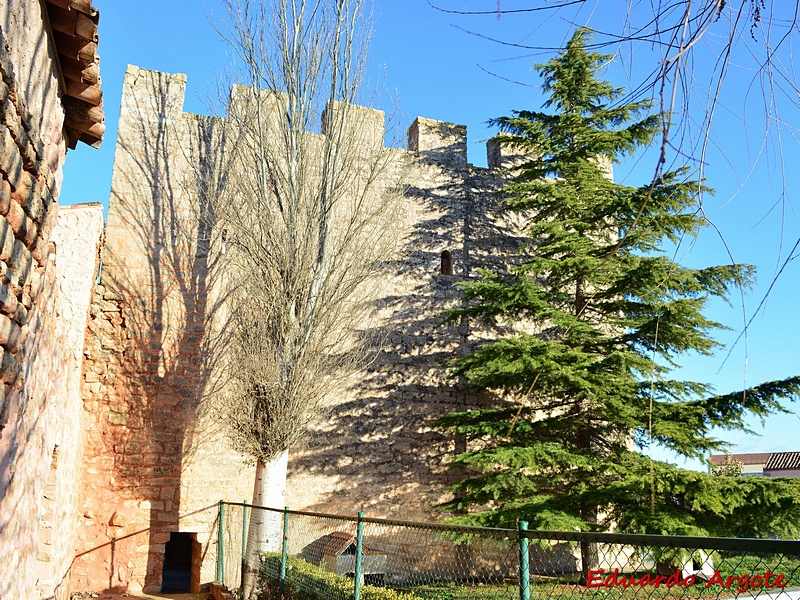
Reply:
x=221, y=545
x=359, y=549
x=244, y=539
x=524, y=563
x=284, y=549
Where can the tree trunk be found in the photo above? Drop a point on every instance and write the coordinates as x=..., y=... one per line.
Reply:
x=266, y=527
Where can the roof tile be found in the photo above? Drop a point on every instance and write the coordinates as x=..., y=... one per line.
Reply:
x=780, y=461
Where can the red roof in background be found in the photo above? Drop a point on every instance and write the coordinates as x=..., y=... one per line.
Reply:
x=755, y=458
x=337, y=542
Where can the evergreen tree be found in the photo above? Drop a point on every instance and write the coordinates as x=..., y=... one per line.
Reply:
x=600, y=315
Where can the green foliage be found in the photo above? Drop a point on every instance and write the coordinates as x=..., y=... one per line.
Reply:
x=731, y=468
x=306, y=581
x=456, y=591
x=601, y=316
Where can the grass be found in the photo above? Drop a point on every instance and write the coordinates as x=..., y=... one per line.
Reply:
x=305, y=577
x=566, y=588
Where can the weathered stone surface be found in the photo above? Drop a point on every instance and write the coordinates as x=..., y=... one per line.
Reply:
x=40, y=407
x=5, y=197
x=18, y=220
x=24, y=188
x=21, y=262
x=145, y=381
x=10, y=334
x=8, y=301
x=10, y=157
x=6, y=240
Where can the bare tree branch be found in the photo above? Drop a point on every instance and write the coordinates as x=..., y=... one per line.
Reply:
x=306, y=205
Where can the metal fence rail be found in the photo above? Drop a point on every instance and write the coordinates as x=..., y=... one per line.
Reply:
x=319, y=556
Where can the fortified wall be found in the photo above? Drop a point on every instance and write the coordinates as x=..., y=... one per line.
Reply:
x=156, y=459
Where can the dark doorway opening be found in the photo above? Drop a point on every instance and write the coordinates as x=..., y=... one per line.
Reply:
x=177, y=573
x=446, y=264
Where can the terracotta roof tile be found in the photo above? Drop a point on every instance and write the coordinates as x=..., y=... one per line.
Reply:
x=337, y=542
x=746, y=459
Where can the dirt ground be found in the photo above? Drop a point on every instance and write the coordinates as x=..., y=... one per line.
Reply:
x=200, y=596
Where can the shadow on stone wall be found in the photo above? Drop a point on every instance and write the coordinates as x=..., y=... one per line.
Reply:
x=378, y=444
x=155, y=324
x=37, y=412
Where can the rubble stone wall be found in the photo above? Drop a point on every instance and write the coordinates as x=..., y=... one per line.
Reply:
x=47, y=267
x=156, y=460
x=376, y=450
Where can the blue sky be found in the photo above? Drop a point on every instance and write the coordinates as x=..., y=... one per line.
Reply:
x=438, y=69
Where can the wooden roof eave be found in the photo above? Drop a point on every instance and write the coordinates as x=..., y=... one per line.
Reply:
x=73, y=24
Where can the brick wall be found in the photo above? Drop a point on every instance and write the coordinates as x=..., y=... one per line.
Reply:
x=155, y=458
x=43, y=305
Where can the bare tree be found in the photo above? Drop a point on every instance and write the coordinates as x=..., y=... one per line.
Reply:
x=695, y=45
x=300, y=224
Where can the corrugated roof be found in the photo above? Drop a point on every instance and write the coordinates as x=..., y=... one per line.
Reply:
x=74, y=27
x=783, y=460
x=755, y=458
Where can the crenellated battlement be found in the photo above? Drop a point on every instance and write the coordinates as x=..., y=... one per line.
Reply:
x=162, y=95
x=364, y=125
x=243, y=100
x=501, y=155
x=153, y=92
x=438, y=141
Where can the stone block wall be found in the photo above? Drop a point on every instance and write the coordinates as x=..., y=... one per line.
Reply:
x=43, y=306
x=155, y=459
x=41, y=444
x=376, y=450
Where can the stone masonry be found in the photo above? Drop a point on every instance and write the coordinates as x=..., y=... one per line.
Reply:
x=155, y=458
x=155, y=461
x=48, y=263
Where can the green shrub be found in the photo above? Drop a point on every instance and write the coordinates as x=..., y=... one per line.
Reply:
x=305, y=581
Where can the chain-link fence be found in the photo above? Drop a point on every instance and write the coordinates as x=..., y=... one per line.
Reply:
x=313, y=556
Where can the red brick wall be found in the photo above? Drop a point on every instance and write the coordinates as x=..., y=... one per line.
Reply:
x=43, y=305
x=156, y=460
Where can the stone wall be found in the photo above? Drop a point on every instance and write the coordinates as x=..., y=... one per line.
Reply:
x=42, y=441
x=155, y=457
x=155, y=460
x=376, y=450
x=43, y=305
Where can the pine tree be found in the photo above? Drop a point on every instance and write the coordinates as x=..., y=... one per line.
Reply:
x=600, y=316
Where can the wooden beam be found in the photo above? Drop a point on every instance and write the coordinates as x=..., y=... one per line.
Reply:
x=59, y=3
x=83, y=111
x=79, y=71
x=62, y=20
x=84, y=125
x=85, y=27
x=84, y=6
